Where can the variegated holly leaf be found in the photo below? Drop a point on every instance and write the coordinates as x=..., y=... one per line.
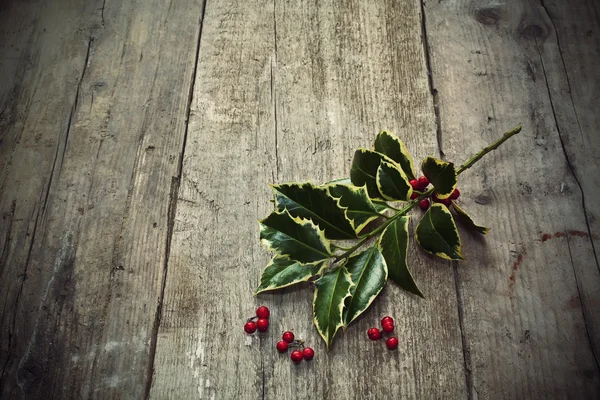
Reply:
x=283, y=272
x=331, y=290
x=369, y=273
x=364, y=170
x=393, y=244
x=311, y=202
x=359, y=208
x=389, y=144
x=441, y=174
x=297, y=238
x=467, y=220
x=392, y=183
x=436, y=233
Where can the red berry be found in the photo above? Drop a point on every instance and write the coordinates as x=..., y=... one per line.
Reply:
x=392, y=343
x=282, y=346
x=288, y=337
x=387, y=319
x=263, y=312
x=388, y=327
x=308, y=354
x=414, y=183
x=374, y=334
x=296, y=356
x=455, y=194
x=414, y=195
x=423, y=182
x=446, y=202
x=424, y=204
x=250, y=327
x=262, y=324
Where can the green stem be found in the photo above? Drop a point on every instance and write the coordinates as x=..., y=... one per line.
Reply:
x=469, y=163
x=401, y=212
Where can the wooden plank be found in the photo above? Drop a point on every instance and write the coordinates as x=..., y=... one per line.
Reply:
x=287, y=92
x=528, y=292
x=105, y=99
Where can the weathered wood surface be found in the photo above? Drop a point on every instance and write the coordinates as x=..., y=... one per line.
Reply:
x=94, y=99
x=129, y=234
x=530, y=292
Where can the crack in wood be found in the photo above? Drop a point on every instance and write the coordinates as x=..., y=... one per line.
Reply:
x=273, y=96
x=570, y=165
x=172, y=208
x=432, y=89
x=463, y=337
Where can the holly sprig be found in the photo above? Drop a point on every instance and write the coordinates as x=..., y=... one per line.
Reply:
x=311, y=225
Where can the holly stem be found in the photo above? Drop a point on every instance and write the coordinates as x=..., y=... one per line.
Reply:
x=469, y=163
x=401, y=212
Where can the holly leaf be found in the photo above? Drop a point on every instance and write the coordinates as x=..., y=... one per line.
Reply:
x=393, y=245
x=467, y=220
x=436, y=233
x=299, y=239
x=369, y=273
x=331, y=290
x=307, y=201
x=282, y=272
x=392, y=183
x=359, y=208
x=389, y=144
x=441, y=175
x=364, y=170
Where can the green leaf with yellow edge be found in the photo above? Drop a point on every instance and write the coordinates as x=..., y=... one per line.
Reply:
x=393, y=244
x=364, y=170
x=369, y=273
x=312, y=202
x=297, y=238
x=283, y=272
x=359, y=208
x=467, y=220
x=331, y=290
x=389, y=144
x=393, y=183
x=436, y=233
x=441, y=175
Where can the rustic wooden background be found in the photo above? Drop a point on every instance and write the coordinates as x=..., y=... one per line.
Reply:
x=137, y=142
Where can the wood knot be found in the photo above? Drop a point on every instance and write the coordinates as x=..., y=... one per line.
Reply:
x=489, y=14
x=532, y=28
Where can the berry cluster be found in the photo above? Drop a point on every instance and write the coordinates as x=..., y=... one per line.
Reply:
x=420, y=185
x=387, y=325
x=262, y=321
x=297, y=356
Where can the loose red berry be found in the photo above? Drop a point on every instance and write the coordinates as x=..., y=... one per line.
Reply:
x=392, y=343
x=308, y=354
x=387, y=319
x=414, y=183
x=288, y=337
x=414, y=195
x=282, y=346
x=263, y=312
x=374, y=334
x=424, y=204
x=262, y=324
x=250, y=327
x=455, y=194
x=388, y=327
x=423, y=182
x=296, y=356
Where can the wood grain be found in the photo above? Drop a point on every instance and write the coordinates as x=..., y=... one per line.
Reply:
x=528, y=292
x=317, y=80
x=96, y=126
